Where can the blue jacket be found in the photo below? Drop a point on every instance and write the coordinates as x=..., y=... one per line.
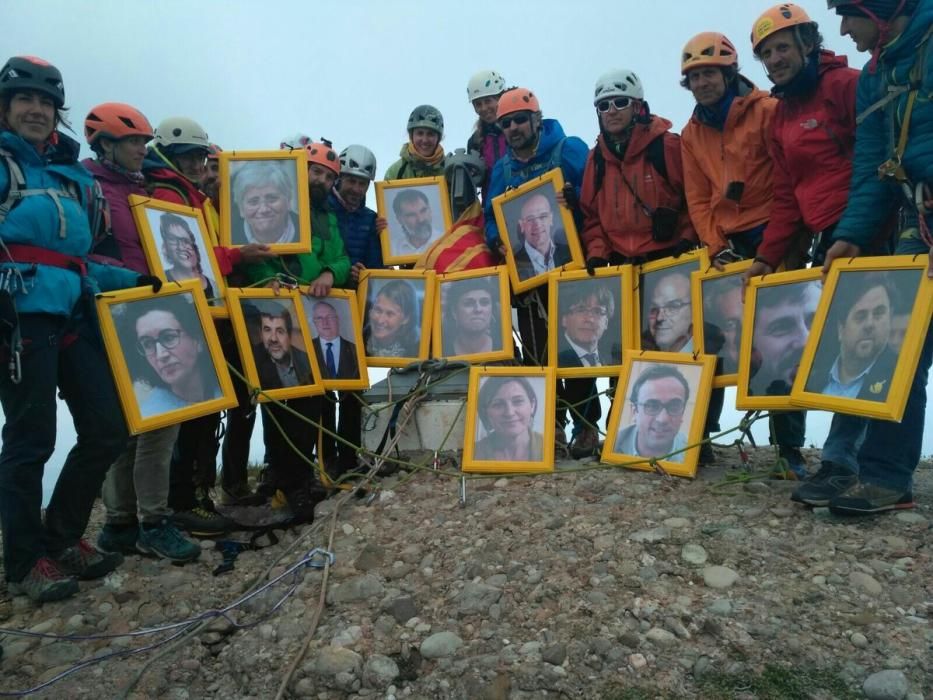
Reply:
x=358, y=229
x=35, y=222
x=573, y=154
x=872, y=201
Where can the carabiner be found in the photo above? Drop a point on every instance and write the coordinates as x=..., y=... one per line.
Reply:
x=318, y=552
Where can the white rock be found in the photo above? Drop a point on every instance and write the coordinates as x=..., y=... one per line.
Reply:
x=637, y=661
x=885, y=685
x=865, y=583
x=719, y=576
x=693, y=554
x=859, y=640
x=440, y=645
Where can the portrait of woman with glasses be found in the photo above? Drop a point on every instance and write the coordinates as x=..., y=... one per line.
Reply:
x=470, y=316
x=166, y=353
x=182, y=253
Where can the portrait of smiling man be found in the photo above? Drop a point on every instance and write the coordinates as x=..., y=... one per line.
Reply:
x=412, y=209
x=667, y=323
x=659, y=402
x=538, y=251
x=280, y=365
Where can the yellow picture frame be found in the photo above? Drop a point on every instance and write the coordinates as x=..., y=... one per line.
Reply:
x=266, y=377
x=289, y=169
x=696, y=373
x=372, y=281
x=857, y=288
x=779, y=312
x=508, y=207
x=147, y=398
x=432, y=195
x=561, y=355
x=347, y=307
x=157, y=251
x=444, y=322
x=713, y=303
x=694, y=260
x=542, y=383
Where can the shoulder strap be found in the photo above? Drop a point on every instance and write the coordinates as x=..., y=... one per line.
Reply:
x=656, y=156
x=16, y=186
x=599, y=161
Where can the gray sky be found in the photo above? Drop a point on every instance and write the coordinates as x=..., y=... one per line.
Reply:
x=252, y=73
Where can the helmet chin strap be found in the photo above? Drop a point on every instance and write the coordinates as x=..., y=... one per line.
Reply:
x=884, y=29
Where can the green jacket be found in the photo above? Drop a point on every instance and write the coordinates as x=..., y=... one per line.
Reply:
x=327, y=253
x=408, y=167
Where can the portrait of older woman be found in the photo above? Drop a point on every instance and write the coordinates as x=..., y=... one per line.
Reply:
x=507, y=406
x=264, y=203
x=166, y=354
x=392, y=323
x=470, y=316
x=181, y=253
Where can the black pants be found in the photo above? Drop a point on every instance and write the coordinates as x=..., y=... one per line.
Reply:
x=338, y=456
x=234, y=452
x=290, y=441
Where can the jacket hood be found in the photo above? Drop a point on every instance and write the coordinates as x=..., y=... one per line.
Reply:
x=642, y=135
x=62, y=150
x=910, y=38
x=830, y=61
x=551, y=134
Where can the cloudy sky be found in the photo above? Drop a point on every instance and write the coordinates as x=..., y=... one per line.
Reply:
x=252, y=73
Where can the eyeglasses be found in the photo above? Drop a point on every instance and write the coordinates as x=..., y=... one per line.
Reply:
x=652, y=407
x=619, y=103
x=168, y=339
x=670, y=308
x=174, y=242
x=519, y=119
x=594, y=311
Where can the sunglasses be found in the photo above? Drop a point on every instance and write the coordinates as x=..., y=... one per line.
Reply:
x=619, y=103
x=518, y=119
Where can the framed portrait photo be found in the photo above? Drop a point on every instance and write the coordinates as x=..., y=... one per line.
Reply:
x=264, y=199
x=867, y=333
x=275, y=345
x=396, y=307
x=179, y=246
x=473, y=316
x=538, y=234
x=664, y=305
x=779, y=312
x=591, y=321
x=337, y=337
x=510, y=420
x=717, y=317
x=659, y=411
x=165, y=355
x=418, y=213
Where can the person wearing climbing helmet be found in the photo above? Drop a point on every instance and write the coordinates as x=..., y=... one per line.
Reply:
x=891, y=170
x=359, y=225
x=484, y=90
x=422, y=155
x=49, y=339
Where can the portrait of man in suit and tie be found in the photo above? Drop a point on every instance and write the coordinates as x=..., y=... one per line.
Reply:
x=587, y=309
x=537, y=247
x=279, y=362
x=336, y=355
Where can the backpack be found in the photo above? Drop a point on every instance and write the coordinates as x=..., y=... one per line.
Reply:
x=654, y=153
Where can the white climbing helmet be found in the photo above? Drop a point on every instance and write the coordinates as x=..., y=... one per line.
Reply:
x=486, y=83
x=618, y=83
x=358, y=160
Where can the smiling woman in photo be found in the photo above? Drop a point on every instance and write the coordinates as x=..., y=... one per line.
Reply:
x=507, y=408
x=263, y=196
x=392, y=324
x=180, y=251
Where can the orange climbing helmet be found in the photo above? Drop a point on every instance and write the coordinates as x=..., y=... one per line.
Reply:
x=517, y=100
x=115, y=120
x=708, y=49
x=323, y=154
x=774, y=19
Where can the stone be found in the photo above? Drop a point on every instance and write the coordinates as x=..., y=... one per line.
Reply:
x=440, y=645
x=379, y=671
x=657, y=534
x=865, y=583
x=372, y=557
x=333, y=660
x=661, y=637
x=637, y=661
x=555, y=654
x=693, y=554
x=477, y=598
x=348, y=637
x=911, y=518
x=719, y=577
x=57, y=654
x=674, y=523
x=402, y=609
x=885, y=685
x=859, y=640
x=720, y=607
x=356, y=589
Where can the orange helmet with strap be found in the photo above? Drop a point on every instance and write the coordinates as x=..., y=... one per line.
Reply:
x=115, y=120
x=517, y=100
x=708, y=49
x=214, y=151
x=323, y=154
x=775, y=19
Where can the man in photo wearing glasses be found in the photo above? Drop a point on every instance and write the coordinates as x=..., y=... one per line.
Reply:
x=539, y=251
x=585, y=310
x=669, y=319
x=659, y=398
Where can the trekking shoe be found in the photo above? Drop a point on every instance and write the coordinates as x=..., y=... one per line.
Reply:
x=791, y=464
x=84, y=562
x=586, y=444
x=302, y=501
x=864, y=499
x=561, y=450
x=201, y=522
x=239, y=495
x=118, y=538
x=707, y=456
x=830, y=481
x=165, y=541
x=44, y=583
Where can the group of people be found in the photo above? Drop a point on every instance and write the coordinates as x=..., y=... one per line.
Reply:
x=752, y=175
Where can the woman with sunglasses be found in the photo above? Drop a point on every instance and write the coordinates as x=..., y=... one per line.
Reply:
x=422, y=155
x=633, y=202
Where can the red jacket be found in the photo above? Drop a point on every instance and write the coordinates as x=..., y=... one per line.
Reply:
x=613, y=219
x=812, y=141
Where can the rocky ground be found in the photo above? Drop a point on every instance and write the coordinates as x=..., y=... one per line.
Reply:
x=592, y=584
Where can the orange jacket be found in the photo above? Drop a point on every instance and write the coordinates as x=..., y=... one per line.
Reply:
x=739, y=153
x=613, y=219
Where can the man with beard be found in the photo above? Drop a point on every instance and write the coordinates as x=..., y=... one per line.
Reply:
x=539, y=252
x=413, y=211
x=783, y=316
x=279, y=364
x=210, y=181
x=358, y=224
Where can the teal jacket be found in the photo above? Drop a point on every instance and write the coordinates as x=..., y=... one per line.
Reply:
x=871, y=200
x=36, y=221
x=408, y=167
x=327, y=253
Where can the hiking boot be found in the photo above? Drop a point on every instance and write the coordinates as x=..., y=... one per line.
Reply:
x=865, y=499
x=830, y=481
x=791, y=465
x=302, y=501
x=239, y=494
x=707, y=456
x=201, y=522
x=45, y=582
x=166, y=542
x=586, y=444
x=119, y=538
x=84, y=562
x=561, y=450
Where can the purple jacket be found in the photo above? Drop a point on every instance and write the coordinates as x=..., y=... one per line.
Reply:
x=117, y=188
x=490, y=143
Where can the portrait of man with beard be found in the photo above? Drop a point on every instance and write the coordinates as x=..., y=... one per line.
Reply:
x=417, y=227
